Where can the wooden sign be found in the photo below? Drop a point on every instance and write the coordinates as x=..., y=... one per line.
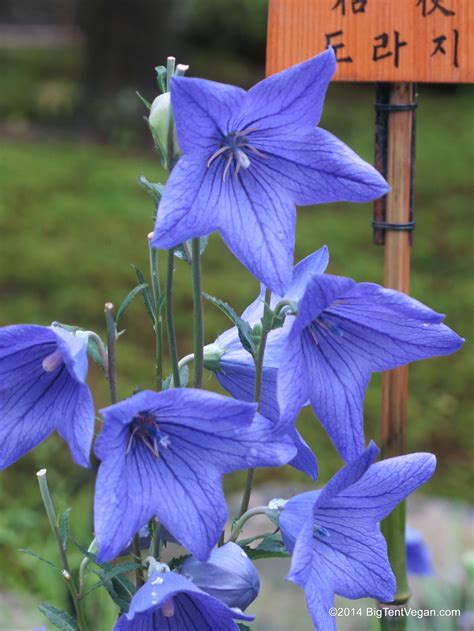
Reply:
x=376, y=40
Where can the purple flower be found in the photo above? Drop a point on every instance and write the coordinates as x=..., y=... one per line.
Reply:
x=228, y=575
x=342, y=333
x=171, y=602
x=236, y=369
x=165, y=453
x=334, y=533
x=249, y=157
x=419, y=559
x=42, y=388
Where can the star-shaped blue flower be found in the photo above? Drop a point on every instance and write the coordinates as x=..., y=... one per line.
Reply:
x=165, y=453
x=249, y=158
x=334, y=534
x=42, y=389
x=236, y=368
x=171, y=602
x=342, y=333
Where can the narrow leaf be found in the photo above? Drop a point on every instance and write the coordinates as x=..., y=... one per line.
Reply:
x=61, y=619
x=146, y=295
x=130, y=296
x=116, y=570
x=244, y=329
x=34, y=554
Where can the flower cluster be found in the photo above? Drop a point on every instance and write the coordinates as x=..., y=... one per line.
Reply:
x=310, y=338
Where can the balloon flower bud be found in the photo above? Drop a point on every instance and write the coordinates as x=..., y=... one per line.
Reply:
x=228, y=575
x=160, y=119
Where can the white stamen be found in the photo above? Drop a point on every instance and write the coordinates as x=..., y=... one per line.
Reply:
x=168, y=609
x=53, y=361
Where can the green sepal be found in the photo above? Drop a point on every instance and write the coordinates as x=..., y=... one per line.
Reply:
x=271, y=546
x=244, y=627
x=182, y=254
x=177, y=562
x=61, y=619
x=155, y=189
x=161, y=77
x=146, y=103
x=243, y=327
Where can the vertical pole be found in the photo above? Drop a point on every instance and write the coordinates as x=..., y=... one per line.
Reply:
x=399, y=171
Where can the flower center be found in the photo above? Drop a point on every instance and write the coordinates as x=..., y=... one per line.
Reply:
x=53, y=361
x=234, y=148
x=144, y=427
x=322, y=322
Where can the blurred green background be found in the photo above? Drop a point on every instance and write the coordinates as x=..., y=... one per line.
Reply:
x=73, y=218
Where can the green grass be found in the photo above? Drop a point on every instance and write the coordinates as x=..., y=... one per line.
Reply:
x=73, y=219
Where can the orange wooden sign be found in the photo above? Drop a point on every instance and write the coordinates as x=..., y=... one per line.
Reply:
x=377, y=40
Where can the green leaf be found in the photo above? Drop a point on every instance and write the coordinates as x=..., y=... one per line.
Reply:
x=161, y=74
x=64, y=527
x=34, y=554
x=61, y=619
x=116, y=570
x=244, y=329
x=146, y=103
x=130, y=296
x=120, y=589
x=146, y=295
x=177, y=562
x=183, y=378
x=154, y=189
x=271, y=546
x=183, y=253
x=243, y=627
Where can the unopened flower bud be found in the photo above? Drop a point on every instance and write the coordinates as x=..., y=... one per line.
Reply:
x=229, y=575
x=160, y=119
x=212, y=357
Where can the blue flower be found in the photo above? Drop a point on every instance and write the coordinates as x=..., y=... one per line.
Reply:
x=165, y=453
x=342, y=333
x=171, y=602
x=334, y=534
x=42, y=388
x=419, y=559
x=236, y=369
x=249, y=157
x=228, y=575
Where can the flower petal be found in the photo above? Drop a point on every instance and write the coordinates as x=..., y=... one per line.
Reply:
x=202, y=111
x=303, y=271
x=76, y=418
x=318, y=168
x=257, y=222
x=290, y=100
x=189, y=205
x=74, y=352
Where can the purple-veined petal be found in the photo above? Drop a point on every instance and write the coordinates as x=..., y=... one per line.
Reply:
x=257, y=222
x=383, y=328
x=192, y=608
x=305, y=460
x=202, y=111
x=73, y=350
x=293, y=384
x=294, y=515
x=75, y=418
x=288, y=101
x=190, y=202
x=315, y=263
x=318, y=168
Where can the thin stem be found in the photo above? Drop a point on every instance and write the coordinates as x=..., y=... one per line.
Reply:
x=84, y=563
x=198, y=314
x=111, y=340
x=155, y=283
x=155, y=547
x=139, y=577
x=66, y=572
x=239, y=524
x=170, y=320
x=187, y=359
x=257, y=396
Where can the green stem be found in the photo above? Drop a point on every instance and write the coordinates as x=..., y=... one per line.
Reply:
x=170, y=320
x=239, y=524
x=156, y=540
x=66, y=572
x=198, y=314
x=155, y=283
x=139, y=576
x=111, y=340
x=258, y=392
